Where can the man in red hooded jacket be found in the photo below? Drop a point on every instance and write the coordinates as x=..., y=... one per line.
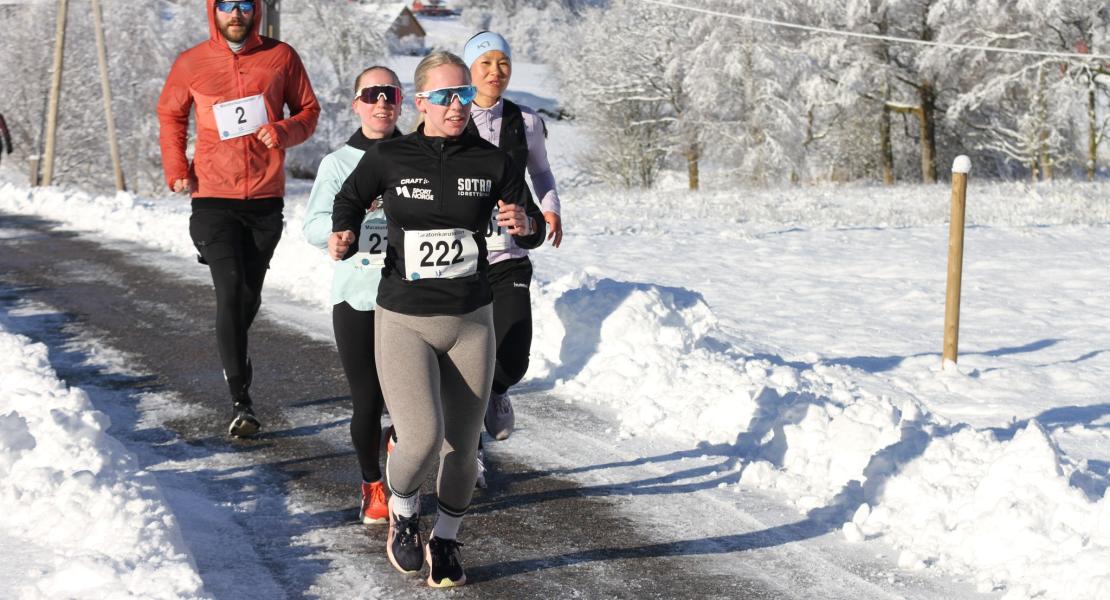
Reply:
x=239, y=84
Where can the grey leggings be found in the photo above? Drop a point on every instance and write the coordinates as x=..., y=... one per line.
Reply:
x=436, y=372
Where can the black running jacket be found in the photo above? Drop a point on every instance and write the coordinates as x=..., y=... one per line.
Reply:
x=438, y=194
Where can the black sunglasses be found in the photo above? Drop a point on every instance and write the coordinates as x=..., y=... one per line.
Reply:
x=390, y=93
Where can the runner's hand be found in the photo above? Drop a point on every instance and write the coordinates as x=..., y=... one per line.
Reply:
x=339, y=242
x=266, y=136
x=181, y=186
x=512, y=218
x=554, y=228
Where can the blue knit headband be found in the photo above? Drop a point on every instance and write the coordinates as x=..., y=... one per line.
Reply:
x=482, y=43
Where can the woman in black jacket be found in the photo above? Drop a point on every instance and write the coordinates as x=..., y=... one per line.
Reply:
x=434, y=336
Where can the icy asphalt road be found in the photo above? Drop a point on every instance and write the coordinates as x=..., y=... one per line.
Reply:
x=570, y=512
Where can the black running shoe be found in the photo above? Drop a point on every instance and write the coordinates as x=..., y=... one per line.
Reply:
x=445, y=563
x=402, y=546
x=244, y=423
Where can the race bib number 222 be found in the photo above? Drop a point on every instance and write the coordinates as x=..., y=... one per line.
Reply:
x=440, y=253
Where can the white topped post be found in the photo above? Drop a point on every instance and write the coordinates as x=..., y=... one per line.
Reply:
x=960, y=169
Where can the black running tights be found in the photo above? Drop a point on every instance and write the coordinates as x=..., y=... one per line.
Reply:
x=512, y=320
x=354, y=337
x=237, y=246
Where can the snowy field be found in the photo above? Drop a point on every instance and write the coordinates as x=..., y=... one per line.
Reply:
x=801, y=327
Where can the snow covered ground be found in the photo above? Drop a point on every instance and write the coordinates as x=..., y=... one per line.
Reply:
x=799, y=326
x=78, y=518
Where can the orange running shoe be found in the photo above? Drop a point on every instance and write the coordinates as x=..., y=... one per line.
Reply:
x=374, y=509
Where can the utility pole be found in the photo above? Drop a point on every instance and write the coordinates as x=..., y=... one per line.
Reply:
x=55, y=93
x=106, y=92
x=271, y=19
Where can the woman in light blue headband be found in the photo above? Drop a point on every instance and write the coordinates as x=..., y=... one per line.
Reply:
x=521, y=133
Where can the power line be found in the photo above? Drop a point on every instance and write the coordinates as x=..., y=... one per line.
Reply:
x=873, y=36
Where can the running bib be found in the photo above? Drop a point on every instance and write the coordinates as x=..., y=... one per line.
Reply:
x=497, y=237
x=240, y=117
x=440, y=254
x=371, y=245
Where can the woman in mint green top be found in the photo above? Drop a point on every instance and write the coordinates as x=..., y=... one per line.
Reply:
x=355, y=286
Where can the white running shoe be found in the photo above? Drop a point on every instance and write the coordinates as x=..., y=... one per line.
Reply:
x=499, y=416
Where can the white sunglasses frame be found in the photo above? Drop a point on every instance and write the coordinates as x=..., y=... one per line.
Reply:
x=454, y=96
x=400, y=93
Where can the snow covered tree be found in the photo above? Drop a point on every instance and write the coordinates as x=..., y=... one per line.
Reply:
x=81, y=146
x=693, y=87
x=25, y=72
x=335, y=45
x=137, y=84
x=888, y=78
x=1028, y=108
x=741, y=81
x=613, y=82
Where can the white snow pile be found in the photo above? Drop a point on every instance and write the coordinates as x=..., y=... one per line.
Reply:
x=999, y=512
x=644, y=350
x=70, y=489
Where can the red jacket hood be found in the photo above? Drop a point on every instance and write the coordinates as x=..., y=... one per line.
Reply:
x=217, y=38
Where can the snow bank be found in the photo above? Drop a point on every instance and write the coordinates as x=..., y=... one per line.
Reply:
x=68, y=487
x=1000, y=512
x=646, y=351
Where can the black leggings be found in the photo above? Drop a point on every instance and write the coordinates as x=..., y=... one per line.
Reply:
x=354, y=337
x=512, y=320
x=236, y=244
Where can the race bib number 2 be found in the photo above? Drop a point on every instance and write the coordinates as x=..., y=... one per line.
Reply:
x=440, y=254
x=240, y=117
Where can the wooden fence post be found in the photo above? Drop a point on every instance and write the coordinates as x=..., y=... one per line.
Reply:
x=960, y=168
x=106, y=93
x=55, y=93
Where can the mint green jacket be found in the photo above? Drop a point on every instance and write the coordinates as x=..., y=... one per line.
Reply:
x=356, y=278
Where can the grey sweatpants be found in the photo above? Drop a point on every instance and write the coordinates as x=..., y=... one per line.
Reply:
x=436, y=372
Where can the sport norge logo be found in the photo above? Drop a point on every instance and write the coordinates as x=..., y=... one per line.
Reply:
x=415, y=193
x=469, y=186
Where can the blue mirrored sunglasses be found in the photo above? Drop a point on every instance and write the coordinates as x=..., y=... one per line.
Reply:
x=244, y=6
x=444, y=96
